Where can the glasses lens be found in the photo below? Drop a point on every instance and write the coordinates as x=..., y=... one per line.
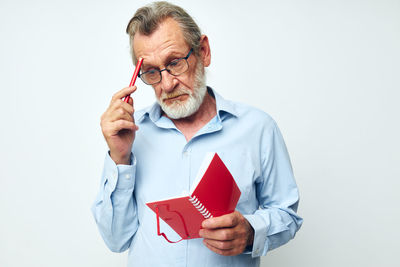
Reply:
x=178, y=66
x=151, y=76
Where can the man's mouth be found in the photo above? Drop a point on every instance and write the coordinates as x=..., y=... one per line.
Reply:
x=173, y=96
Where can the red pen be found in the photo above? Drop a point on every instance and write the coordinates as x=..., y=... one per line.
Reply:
x=134, y=76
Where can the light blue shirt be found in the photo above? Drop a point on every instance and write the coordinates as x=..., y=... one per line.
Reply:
x=164, y=165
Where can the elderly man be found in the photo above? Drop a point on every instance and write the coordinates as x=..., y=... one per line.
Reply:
x=155, y=153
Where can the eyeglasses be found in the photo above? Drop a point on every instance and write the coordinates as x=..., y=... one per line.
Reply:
x=175, y=67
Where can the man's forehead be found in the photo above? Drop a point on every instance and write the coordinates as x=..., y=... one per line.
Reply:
x=167, y=38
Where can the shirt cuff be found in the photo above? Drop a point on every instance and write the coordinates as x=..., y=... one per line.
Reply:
x=260, y=245
x=119, y=176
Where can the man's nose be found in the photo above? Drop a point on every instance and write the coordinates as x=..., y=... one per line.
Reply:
x=168, y=81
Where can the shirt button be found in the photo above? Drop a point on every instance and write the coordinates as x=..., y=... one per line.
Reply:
x=115, y=175
x=127, y=176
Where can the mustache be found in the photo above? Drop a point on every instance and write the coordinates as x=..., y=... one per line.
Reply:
x=174, y=94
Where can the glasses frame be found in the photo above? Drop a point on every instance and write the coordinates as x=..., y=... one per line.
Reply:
x=166, y=68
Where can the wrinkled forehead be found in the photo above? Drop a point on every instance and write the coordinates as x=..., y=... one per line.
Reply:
x=166, y=39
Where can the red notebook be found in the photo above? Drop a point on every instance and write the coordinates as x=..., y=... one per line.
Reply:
x=214, y=193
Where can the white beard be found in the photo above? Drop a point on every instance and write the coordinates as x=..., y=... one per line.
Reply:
x=182, y=109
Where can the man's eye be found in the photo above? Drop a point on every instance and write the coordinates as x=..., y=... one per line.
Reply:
x=173, y=63
x=152, y=71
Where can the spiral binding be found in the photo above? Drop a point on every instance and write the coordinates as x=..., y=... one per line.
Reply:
x=200, y=207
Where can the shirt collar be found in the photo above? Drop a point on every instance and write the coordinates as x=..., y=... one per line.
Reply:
x=225, y=109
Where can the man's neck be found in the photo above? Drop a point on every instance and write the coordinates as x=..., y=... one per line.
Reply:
x=189, y=126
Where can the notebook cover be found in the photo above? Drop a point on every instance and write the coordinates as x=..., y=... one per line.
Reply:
x=218, y=190
x=180, y=214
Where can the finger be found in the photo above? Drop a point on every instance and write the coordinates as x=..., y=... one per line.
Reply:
x=121, y=105
x=228, y=252
x=116, y=126
x=225, y=234
x=227, y=220
x=123, y=93
x=119, y=114
x=130, y=101
x=222, y=245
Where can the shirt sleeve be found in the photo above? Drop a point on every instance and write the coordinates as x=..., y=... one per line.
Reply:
x=276, y=221
x=115, y=209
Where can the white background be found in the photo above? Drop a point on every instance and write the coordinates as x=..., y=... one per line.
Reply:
x=327, y=71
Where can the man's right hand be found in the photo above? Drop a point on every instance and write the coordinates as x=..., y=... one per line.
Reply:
x=118, y=126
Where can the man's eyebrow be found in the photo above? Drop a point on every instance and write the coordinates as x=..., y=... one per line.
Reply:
x=169, y=58
x=174, y=55
x=147, y=66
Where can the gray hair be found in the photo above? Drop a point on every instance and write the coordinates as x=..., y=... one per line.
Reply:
x=148, y=18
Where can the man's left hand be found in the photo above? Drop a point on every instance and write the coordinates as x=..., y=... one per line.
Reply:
x=227, y=235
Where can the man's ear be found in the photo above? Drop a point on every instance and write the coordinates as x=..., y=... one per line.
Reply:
x=205, y=51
